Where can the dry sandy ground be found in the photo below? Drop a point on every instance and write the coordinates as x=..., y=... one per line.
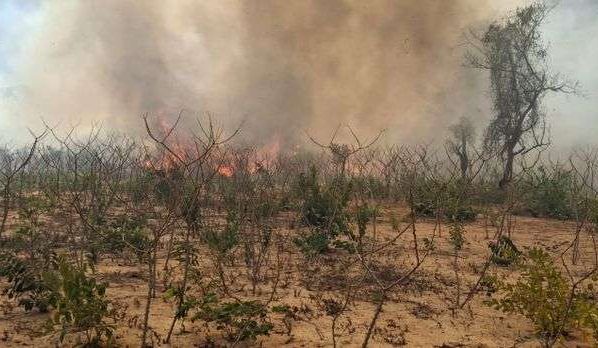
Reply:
x=416, y=315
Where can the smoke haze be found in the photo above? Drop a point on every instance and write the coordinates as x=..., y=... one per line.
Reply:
x=283, y=66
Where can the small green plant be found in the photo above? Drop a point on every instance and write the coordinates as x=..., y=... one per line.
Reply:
x=543, y=295
x=289, y=316
x=457, y=240
x=242, y=320
x=345, y=245
x=25, y=282
x=489, y=283
x=429, y=209
x=292, y=314
x=186, y=304
x=224, y=241
x=395, y=223
x=323, y=210
x=504, y=251
x=313, y=243
x=123, y=236
x=424, y=209
x=30, y=237
x=80, y=302
x=456, y=236
x=363, y=216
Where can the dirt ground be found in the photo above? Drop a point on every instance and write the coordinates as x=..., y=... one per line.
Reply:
x=417, y=314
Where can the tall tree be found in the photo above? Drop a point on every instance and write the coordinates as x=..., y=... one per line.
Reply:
x=513, y=52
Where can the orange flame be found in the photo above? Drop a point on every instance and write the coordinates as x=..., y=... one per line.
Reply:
x=265, y=155
x=168, y=160
x=226, y=170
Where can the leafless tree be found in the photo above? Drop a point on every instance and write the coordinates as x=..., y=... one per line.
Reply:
x=11, y=164
x=188, y=160
x=341, y=153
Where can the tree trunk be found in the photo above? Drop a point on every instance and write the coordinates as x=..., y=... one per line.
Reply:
x=6, y=207
x=507, y=174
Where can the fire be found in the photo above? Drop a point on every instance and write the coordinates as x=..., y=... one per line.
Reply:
x=270, y=150
x=265, y=155
x=179, y=151
x=226, y=170
x=168, y=160
x=255, y=162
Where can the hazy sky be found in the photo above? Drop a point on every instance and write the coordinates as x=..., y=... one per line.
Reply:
x=29, y=28
x=572, y=31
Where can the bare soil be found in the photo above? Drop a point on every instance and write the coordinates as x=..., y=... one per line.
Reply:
x=417, y=314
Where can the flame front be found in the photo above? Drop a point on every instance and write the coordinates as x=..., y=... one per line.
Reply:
x=171, y=158
x=226, y=170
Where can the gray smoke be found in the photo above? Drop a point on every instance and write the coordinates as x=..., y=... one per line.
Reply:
x=284, y=66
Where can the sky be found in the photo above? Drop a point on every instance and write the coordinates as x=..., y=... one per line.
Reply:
x=571, y=30
x=18, y=18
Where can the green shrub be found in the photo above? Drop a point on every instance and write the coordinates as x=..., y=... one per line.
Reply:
x=25, y=282
x=362, y=217
x=546, y=193
x=125, y=235
x=504, y=251
x=461, y=214
x=447, y=199
x=324, y=206
x=224, y=241
x=424, y=209
x=457, y=236
x=80, y=302
x=489, y=283
x=242, y=320
x=543, y=295
x=313, y=243
x=323, y=210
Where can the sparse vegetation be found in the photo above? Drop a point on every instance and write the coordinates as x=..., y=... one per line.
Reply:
x=186, y=237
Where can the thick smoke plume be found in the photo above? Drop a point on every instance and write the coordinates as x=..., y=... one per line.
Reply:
x=283, y=66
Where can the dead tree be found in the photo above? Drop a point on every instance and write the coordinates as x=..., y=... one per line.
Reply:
x=188, y=160
x=11, y=164
x=341, y=153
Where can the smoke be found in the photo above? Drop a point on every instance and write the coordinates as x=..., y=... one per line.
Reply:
x=285, y=67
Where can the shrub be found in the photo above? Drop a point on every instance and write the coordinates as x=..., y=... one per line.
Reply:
x=25, y=282
x=313, y=243
x=242, y=320
x=324, y=206
x=543, y=295
x=546, y=193
x=461, y=214
x=80, y=302
x=504, y=251
x=449, y=200
x=362, y=217
x=489, y=283
x=324, y=210
x=125, y=235
x=424, y=209
x=457, y=236
x=224, y=241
